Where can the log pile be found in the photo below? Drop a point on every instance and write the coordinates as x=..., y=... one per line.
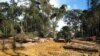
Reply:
x=81, y=46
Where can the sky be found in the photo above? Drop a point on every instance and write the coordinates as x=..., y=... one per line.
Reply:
x=71, y=4
x=4, y=0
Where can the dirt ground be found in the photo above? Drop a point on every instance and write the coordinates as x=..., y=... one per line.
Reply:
x=48, y=48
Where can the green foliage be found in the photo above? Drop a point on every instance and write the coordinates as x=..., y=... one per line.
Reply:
x=72, y=16
x=50, y=35
x=1, y=33
x=64, y=33
x=78, y=34
x=91, y=20
x=36, y=17
x=23, y=36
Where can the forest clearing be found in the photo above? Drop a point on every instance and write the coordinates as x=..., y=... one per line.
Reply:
x=49, y=48
x=49, y=28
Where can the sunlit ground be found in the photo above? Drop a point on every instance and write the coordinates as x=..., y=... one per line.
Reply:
x=48, y=48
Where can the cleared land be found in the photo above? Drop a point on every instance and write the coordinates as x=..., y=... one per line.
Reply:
x=47, y=48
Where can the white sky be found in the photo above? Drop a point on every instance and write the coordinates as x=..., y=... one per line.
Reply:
x=55, y=3
x=4, y=0
x=60, y=25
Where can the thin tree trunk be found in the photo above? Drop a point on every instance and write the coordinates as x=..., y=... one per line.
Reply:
x=3, y=44
x=14, y=44
x=21, y=28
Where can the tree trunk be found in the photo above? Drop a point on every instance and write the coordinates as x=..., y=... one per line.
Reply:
x=21, y=28
x=3, y=44
x=14, y=44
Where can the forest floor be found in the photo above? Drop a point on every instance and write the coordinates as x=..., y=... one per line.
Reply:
x=48, y=48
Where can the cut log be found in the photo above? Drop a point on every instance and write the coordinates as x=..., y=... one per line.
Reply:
x=80, y=47
x=84, y=42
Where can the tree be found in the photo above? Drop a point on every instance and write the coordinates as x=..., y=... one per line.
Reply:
x=57, y=13
x=36, y=18
x=91, y=19
x=5, y=23
x=10, y=12
x=65, y=33
x=72, y=19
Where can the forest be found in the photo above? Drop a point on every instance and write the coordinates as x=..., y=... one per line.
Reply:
x=24, y=21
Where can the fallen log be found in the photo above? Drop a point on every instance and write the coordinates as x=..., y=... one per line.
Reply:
x=83, y=42
x=81, y=48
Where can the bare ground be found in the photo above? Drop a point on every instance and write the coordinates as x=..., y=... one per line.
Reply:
x=47, y=48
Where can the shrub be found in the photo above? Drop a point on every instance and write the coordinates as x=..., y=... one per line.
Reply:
x=24, y=35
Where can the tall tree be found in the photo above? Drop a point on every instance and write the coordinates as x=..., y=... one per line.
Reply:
x=72, y=18
x=57, y=13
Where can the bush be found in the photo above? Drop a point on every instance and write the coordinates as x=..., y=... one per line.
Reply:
x=50, y=35
x=26, y=35
x=4, y=35
x=78, y=34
